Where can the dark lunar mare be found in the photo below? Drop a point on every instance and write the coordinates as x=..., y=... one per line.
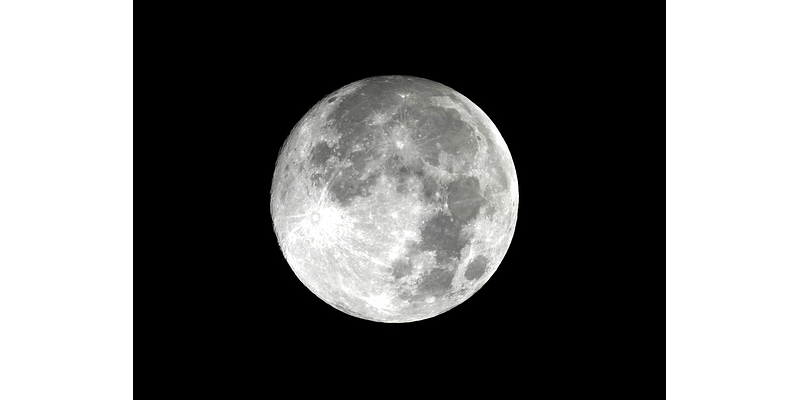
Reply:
x=429, y=188
x=320, y=154
x=476, y=268
x=443, y=130
x=435, y=282
x=401, y=268
x=442, y=234
x=464, y=199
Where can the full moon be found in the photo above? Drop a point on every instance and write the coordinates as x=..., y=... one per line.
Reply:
x=394, y=199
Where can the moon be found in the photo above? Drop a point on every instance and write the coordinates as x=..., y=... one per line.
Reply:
x=394, y=199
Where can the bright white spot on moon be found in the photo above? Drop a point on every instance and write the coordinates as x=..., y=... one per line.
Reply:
x=381, y=301
x=396, y=252
x=400, y=144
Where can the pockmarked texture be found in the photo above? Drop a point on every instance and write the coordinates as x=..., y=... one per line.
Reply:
x=394, y=199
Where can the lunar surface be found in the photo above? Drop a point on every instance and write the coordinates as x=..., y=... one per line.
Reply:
x=394, y=199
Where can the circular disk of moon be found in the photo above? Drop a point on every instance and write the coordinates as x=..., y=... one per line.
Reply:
x=394, y=199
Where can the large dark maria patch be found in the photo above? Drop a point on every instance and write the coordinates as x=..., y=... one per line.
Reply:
x=464, y=198
x=442, y=234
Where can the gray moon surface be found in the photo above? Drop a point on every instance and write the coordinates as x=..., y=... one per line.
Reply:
x=394, y=199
